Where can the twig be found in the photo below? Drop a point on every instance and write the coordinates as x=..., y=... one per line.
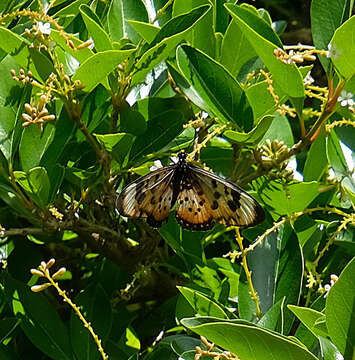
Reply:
x=253, y=293
x=44, y=272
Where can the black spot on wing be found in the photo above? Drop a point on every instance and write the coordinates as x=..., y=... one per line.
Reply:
x=214, y=205
x=232, y=205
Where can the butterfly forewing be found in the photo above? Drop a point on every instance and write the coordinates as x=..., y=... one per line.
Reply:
x=230, y=205
x=149, y=197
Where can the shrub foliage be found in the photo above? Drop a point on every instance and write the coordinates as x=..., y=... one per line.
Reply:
x=92, y=93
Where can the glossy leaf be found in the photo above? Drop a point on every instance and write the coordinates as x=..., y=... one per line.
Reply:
x=329, y=350
x=35, y=183
x=169, y=36
x=263, y=263
x=291, y=198
x=202, y=36
x=338, y=162
x=41, y=323
x=326, y=17
x=340, y=313
x=289, y=274
x=316, y=162
x=236, y=49
x=101, y=39
x=248, y=342
x=17, y=47
x=273, y=316
x=343, y=48
x=94, y=70
x=220, y=93
x=119, y=14
x=252, y=137
x=165, y=118
x=280, y=130
x=312, y=319
x=34, y=144
x=264, y=42
x=202, y=304
x=146, y=31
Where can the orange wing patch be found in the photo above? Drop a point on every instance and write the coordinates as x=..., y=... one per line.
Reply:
x=193, y=209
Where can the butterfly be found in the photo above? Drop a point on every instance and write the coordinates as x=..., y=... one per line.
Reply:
x=203, y=198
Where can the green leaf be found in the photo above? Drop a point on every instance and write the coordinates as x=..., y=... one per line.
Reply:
x=92, y=22
x=273, y=316
x=340, y=313
x=34, y=144
x=289, y=274
x=337, y=161
x=286, y=199
x=145, y=30
x=326, y=17
x=94, y=70
x=261, y=100
x=311, y=319
x=202, y=305
x=265, y=41
x=40, y=322
x=165, y=118
x=247, y=341
x=35, y=183
x=252, y=137
x=236, y=49
x=68, y=13
x=263, y=264
x=96, y=308
x=202, y=36
x=81, y=55
x=220, y=93
x=64, y=130
x=18, y=48
x=7, y=327
x=132, y=121
x=109, y=140
x=316, y=162
x=7, y=124
x=329, y=350
x=280, y=130
x=343, y=44
x=169, y=36
x=119, y=14
x=9, y=196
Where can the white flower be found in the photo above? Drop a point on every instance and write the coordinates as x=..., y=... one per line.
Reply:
x=308, y=80
x=45, y=28
x=157, y=165
x=346, y=98
x=333, y=52
x=327, y=287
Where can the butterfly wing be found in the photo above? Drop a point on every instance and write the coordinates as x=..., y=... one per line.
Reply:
x=151, y=197
x=193, y=210
x=206, y=198
x=230, y=204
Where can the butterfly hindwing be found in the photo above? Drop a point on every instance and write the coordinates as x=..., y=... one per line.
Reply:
x=229, y=204
x=149, y=197
x=193, y=211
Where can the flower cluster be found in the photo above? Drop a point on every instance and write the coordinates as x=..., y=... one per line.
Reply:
x=37, y=115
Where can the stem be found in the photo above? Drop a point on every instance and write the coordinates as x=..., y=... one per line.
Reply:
x=76, y=309
x=253, y=293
